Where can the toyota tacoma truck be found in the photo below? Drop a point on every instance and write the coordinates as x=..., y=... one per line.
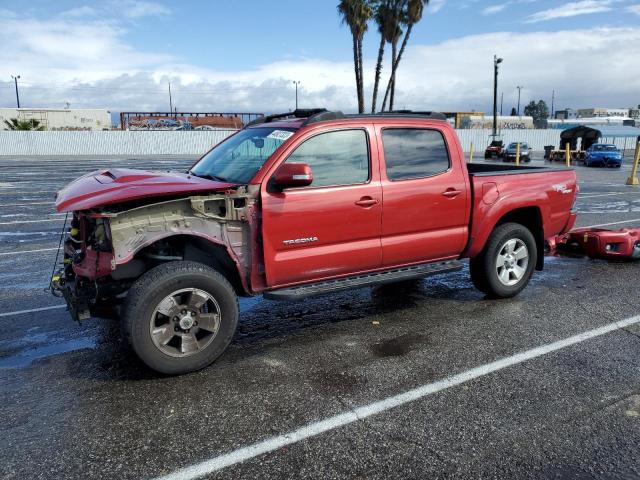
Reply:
x=295, y=205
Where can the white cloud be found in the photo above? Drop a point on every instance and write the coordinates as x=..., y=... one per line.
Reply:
x=78, y=12
x=634, y=9
x=138, y=8
x=491, y=9
x=88, y=63
x=436, y=5
x=4, y=13
x=571, y=9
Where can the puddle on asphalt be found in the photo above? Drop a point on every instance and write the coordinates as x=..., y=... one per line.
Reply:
x=247, y=303
x=37, y=346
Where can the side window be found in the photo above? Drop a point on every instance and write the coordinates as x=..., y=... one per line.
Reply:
x=414, y=153
x=335, y=158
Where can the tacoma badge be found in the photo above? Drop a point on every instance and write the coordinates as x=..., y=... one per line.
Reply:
x=300, y=240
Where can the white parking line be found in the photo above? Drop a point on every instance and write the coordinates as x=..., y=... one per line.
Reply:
x=32, y=310
x=612, y=223
x=316, y=428
x=25, y=204
x=18, y=222
x=18, y=252
x=594, y=195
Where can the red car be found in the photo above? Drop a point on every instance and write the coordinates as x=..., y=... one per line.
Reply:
x=495, y=149
x=295, y=205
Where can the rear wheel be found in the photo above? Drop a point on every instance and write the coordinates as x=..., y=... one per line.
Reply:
x=180, y=316
x=506, y=264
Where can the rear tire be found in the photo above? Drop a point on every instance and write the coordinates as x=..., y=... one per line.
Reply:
x=503, y=269
x=180, y=316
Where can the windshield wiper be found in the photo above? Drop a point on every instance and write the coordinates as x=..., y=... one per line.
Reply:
x=209, y=177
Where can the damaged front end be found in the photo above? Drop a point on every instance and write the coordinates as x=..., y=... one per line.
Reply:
x=86, y=259
x=106, y=249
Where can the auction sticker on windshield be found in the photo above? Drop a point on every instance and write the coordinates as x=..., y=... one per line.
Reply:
x=280, y=135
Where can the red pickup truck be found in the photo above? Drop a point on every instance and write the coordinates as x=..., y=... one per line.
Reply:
x=294, y=205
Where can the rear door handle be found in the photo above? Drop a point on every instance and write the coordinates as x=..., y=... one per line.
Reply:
x=451, y=193
x=367, y=202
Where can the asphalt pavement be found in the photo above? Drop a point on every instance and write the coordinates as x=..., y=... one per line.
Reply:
x=426, y=379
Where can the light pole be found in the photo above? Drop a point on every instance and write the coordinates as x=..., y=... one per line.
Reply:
x=496, y=61
x=296, y=83
x=519, y=88
x=15, y=80
x=501, y=102
x=553, y=101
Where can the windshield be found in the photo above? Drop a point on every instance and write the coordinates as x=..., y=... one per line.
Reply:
x=601, y=148
x=238, y=159
x=513, y=146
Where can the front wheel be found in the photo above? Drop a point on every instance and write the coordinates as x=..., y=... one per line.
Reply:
x=506, y=264
x=180, y=316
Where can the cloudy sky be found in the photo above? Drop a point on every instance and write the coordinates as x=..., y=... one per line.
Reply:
x=243, y=56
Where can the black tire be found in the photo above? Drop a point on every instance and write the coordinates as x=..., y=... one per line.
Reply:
x=146, y=296
x=483, y=269
x=477, y=276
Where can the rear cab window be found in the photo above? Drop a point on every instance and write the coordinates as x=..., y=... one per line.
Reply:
x=336, y=158
x=412, y=153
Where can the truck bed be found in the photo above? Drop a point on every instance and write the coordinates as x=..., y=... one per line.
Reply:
x=545, y=199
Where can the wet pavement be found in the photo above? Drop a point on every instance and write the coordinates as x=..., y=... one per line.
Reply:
x=77, y=404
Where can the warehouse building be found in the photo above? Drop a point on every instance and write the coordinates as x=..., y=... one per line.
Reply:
x=61, y=118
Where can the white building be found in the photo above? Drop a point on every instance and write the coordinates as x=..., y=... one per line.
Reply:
x=504, y=122
x=61, y=118
x=560, y=123
x=603, y=112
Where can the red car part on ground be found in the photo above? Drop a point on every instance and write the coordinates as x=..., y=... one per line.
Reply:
x=623, y=244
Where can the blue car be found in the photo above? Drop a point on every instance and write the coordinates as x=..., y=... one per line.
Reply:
x=604, y=155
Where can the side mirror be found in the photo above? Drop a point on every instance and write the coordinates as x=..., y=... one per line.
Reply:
x=291, y=175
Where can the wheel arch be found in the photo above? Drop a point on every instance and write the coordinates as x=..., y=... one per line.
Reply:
x=195, y=248
x=529, y=217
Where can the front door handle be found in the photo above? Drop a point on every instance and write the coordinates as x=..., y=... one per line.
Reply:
x=451, y=192
x=367, y=202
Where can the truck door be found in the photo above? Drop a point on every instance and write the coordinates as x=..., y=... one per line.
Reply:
x=331, y=227
x=425, y=211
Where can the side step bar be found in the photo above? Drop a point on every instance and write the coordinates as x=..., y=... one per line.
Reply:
x=406, y=273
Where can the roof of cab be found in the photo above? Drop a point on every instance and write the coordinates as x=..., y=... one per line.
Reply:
x=302, y=117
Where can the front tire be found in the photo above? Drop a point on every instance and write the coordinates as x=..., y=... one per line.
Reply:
x=180, y=316
x=503, y=269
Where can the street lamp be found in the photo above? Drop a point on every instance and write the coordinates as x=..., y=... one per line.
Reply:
x=519, y=89
x=496, y=61
x=296, y=83
x=15, y=80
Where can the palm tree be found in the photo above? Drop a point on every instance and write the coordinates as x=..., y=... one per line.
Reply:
x=413, y=10
x=394, y=18
x=381, y=13
x=356, y=14
x=15, y=124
